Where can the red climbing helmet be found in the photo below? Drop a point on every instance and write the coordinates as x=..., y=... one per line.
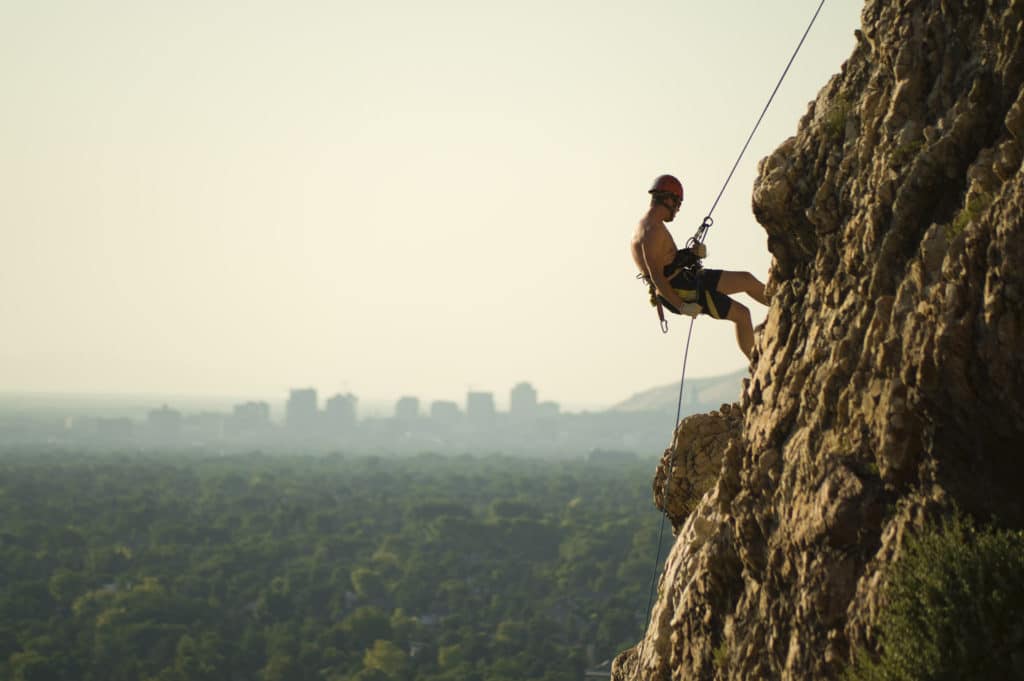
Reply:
x=667, y=184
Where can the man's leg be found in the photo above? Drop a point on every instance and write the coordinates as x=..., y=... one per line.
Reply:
x=740, y=316
x=742, y=282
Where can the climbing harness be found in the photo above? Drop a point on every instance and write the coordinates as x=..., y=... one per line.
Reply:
x=692, y=242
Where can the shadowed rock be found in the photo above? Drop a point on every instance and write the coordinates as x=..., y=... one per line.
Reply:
x=887, y=382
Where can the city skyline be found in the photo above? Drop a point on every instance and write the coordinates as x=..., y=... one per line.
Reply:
x=310, y=421
x=377, y=198
x=374, y=405
x=313, y=423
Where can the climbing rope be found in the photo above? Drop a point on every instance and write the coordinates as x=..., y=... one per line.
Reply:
x=699, y=237
x=703, y=229
x=668, y=480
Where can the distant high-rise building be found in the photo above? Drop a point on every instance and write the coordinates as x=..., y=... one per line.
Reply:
x=164, y=423
x=340, y=411
x=444, y=412
x=522, y=402
x=407, y=409
x=548, y=409
x=301, y=410
x=206, y=426
x=248, y=418
x=480, y=407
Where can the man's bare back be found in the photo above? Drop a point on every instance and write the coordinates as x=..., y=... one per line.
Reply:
x=653, y=248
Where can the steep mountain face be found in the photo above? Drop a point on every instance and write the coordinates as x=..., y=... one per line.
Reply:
x=888, y=383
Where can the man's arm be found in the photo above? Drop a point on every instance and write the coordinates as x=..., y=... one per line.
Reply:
x=656, y=272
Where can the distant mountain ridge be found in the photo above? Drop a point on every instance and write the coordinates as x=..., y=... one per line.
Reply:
x=699, y=395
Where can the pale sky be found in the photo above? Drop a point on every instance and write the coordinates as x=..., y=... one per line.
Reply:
x=387, y=198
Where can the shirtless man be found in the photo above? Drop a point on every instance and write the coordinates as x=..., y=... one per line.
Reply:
x=679, y=287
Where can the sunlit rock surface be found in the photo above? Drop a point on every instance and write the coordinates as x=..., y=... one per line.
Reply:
x=888, y=380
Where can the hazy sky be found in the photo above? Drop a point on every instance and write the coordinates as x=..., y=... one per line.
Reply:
x=388, y=197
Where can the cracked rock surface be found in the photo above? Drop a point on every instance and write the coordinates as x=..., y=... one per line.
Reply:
x=888, y=380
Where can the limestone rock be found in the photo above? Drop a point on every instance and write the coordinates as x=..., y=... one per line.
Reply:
x=887, y=383
x=694, y=461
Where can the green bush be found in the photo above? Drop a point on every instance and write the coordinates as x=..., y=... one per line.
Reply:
x=972, y=210
x=955, y=608
x=835, y=117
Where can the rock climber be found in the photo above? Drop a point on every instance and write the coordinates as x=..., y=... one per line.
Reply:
x=675, y=276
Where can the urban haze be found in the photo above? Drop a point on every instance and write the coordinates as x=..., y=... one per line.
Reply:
x=307, y=421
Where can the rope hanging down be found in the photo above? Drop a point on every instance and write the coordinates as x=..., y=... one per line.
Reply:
x=699, y=237
x=661, y=529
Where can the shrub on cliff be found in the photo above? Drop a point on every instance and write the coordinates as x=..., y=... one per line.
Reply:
x=955, y=608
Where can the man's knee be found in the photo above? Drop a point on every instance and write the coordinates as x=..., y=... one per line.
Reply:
x=739, y=313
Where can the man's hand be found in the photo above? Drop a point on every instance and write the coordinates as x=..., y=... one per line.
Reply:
x=700, y=250
x=690, y=309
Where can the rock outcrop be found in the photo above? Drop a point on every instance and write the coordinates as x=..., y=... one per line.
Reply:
x=694, y=461
x=887, y=383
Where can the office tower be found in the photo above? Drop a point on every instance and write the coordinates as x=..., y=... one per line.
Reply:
x=340, y=411
x=548, y=409
x=301, y=410
x=480, y=408
x=249, y=417
x=164, y=424
x=407, y=409
x=444, y=412
x=522, y=402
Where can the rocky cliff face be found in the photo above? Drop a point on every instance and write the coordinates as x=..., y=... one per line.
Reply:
x=888, y=381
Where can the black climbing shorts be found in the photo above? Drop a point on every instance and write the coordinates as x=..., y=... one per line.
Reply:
x=700, y=288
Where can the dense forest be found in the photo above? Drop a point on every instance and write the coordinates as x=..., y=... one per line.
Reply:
x=189, y=567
